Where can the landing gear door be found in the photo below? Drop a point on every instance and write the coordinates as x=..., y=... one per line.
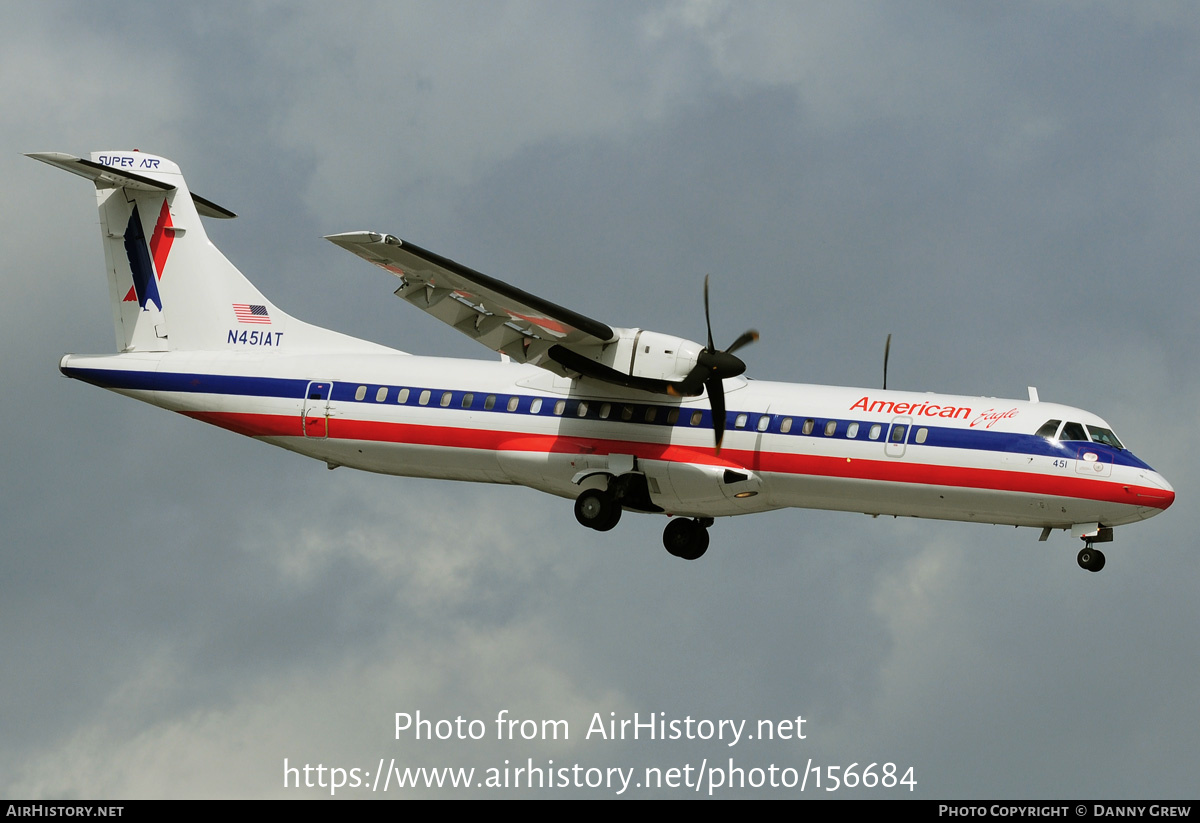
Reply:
x=314, y=417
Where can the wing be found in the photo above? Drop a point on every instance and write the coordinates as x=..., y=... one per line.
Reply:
x=502, y=317
x=532, y=330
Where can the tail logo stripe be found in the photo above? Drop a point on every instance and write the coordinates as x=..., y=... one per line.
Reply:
x=145, y=285
x=161, y=240
x=139, y=261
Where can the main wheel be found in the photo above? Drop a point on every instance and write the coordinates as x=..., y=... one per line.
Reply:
x=686, y=539
x=597, y=510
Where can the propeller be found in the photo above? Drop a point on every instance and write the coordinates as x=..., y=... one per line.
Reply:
x=712, y=367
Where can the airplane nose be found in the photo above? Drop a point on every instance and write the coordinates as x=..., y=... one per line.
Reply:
x=1170, y=492
x=1166, y=497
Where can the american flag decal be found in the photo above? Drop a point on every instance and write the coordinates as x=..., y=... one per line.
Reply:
x=251, y=313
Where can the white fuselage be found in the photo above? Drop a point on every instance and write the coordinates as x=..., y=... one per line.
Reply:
x=786, y=445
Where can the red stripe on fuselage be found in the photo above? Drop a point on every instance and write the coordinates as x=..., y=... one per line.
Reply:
x=887, y=471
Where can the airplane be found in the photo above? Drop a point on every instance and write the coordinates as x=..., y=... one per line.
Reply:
x=616, y=419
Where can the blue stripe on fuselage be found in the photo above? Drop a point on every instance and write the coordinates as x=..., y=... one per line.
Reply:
x=346, y=392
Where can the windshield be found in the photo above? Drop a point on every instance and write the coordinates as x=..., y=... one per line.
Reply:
x=1077, y=431
x=1104, y=436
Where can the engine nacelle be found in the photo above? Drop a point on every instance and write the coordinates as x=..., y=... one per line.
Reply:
x=655, y=356
x=646, y=360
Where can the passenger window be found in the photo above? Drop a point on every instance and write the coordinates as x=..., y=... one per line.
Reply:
x=852, y=431
x=764, y=422
x=739, y=422
x=467, y=400
x=360, y=392
x=831, y=428
x=581, y=411
x=1073, y=431
x=898, y=434
x=1049, y=429
x=560, y=406
x=922, y=433
x=424, y=398
x=672, y=416
x=786, y=425
x=697, y=416
x=651, y=413
x=402, y=397
x=605, y=410
x=627, y=412
x=808, y=426
x=513, y=403
x=535, y=406
x=489, y=402
x=875, y=430
x=381, y=395
x=446, y=398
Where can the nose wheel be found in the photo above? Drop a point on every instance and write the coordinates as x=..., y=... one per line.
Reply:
x=687, y=539
x=1091, y=559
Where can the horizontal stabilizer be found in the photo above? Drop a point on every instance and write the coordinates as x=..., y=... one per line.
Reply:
x=113, y=177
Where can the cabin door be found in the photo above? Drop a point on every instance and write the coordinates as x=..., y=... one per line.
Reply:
x=314, y=418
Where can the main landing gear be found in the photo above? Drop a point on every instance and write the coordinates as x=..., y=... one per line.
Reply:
x=687, y=539
x=600, y=509
x=597, y=509
x=1091, y=559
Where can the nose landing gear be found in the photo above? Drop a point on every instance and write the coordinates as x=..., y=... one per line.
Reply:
x=1090, y=559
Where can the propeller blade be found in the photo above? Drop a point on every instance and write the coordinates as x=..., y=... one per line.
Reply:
x=716, y=401
x=887, y=350
x=712, y=367
x=707, y=321
x=692, y=385
x=747, y=337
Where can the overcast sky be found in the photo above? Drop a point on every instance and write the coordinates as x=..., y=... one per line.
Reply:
x=1010, y=189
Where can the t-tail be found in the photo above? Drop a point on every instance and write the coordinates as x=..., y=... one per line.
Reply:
x=170, y=288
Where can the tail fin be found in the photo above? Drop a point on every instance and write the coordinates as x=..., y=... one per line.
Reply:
x=170, y=288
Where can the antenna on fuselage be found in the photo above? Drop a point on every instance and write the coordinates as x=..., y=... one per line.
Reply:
x=887, y=350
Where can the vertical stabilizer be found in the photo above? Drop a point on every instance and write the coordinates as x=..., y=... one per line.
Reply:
x=171, y=289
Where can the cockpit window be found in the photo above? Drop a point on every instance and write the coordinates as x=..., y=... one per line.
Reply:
x=1049, y=429
x=1073, y=431
x=1104, y=436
